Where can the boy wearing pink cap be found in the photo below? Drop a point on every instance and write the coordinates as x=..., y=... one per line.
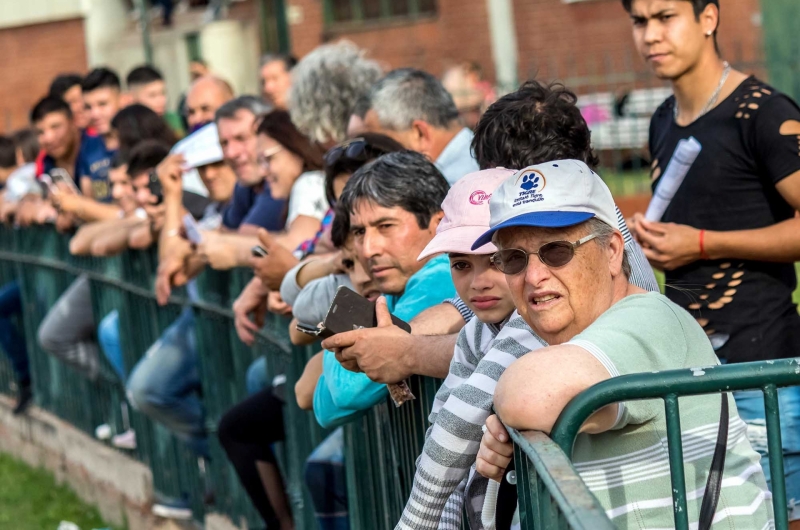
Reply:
x=485, y=291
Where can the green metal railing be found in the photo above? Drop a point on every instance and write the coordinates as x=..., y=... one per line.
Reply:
x=381, y=447
x=551, y=493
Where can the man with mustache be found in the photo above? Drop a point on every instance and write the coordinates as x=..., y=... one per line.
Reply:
x=394, y=207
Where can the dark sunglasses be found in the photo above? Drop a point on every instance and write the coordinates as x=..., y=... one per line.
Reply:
x=356, y=149
x=555, y=254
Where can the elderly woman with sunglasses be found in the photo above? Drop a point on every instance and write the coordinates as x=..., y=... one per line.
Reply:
x=567, y=272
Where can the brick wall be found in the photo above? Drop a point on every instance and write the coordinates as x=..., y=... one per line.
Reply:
x=459, y=32
x=32, y=56
x=555, y=39
x=559, y=40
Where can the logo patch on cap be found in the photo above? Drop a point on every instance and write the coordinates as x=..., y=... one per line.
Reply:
x=531, y=184
x=479, y=197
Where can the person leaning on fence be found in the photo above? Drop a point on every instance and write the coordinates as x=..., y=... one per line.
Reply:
x=165, y=383
x=68, y=331
x=12, y=334
x=308, y=288
x=566, y=267
x=728, y=239
x=310, y=302
x=485, y=292
x=414, y=108
x=394, y=206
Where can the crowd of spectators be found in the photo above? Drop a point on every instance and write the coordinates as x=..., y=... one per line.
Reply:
x=479, y=220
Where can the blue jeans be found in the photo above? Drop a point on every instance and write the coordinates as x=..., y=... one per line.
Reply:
x=327, y=482
x=751, y=409
x=108, y=337
x=12, y=339
x=165, y=384
x=257, y=378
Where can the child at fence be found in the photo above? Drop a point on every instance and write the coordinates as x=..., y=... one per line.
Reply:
x=453, y=439
x=308, y=288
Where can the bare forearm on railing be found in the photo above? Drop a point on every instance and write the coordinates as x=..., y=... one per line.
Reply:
x=89, y=210
x=173, y=212
x=90, y=234
x=115, y=240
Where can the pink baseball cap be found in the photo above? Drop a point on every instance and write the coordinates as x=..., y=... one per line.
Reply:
x=466, y=214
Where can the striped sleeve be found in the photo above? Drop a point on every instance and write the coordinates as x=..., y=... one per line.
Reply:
x=465, y=359
x=453, y=509
x=454, y=439
x=466, y=313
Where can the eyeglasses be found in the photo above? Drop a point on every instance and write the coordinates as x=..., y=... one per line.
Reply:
x=266, y=157
x=356, y=149
x=555, y=254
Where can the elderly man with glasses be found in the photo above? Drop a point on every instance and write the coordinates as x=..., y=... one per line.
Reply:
x=554, y=226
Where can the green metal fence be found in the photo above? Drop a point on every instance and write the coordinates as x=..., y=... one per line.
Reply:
x=551, y=493
x=381, y=446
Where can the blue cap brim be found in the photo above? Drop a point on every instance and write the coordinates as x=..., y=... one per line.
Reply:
x=537, y=219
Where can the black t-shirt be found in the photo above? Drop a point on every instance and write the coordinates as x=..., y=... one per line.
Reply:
x=751, y=141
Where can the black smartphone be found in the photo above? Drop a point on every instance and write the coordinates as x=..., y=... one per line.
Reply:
x=259, y=252
x=349, y=310
x=155, y=187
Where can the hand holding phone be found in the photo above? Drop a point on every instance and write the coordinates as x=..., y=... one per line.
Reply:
x=155, y=187
x=63, y=180
x=349, y=310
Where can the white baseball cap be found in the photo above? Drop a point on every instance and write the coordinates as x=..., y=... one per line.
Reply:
x=551, y=195
x=200, y=148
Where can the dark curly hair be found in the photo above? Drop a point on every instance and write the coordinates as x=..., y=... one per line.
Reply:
x=536, y=124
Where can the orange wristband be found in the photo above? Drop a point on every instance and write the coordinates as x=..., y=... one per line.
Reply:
x=703, y=254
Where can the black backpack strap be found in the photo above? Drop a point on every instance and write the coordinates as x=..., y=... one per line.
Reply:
x=506, y=501
x=714, y=483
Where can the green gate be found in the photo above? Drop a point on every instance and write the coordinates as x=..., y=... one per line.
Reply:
x=552, y=495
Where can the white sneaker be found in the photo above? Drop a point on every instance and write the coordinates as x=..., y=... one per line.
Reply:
x=126, y=440
x=168, y=508
x=103, y=432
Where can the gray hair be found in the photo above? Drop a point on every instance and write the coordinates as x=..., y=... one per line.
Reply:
x=326, y=84
x=407, y=94
x=252, y=104
x=604, y=232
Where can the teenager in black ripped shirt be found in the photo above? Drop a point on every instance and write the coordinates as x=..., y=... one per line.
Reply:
x=729, y=238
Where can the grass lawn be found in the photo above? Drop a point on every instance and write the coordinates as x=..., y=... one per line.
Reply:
x=31, y=500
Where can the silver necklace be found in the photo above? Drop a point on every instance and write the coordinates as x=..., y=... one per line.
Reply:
x=713, y=99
